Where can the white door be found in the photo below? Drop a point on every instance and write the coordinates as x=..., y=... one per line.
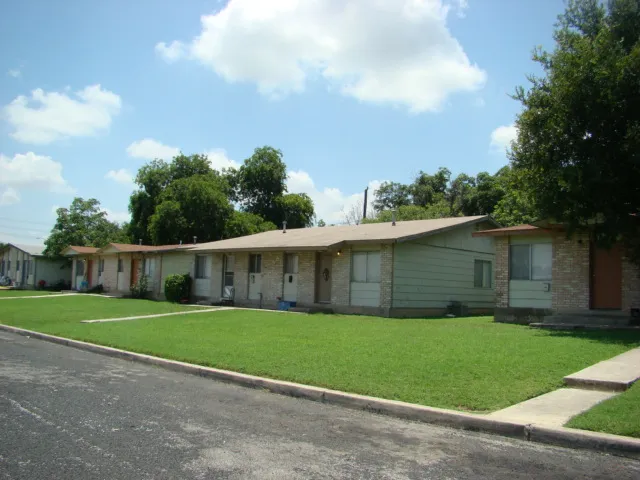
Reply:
x=255, y=277
x=290, y=290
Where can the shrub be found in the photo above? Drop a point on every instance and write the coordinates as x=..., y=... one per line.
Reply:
x=140, y=288
x=96, y=289
x=177, y=287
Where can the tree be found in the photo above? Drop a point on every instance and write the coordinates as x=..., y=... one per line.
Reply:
x=578, y=145
x=188, y=180
x=391, y=195
x=261, y=181
x=322, y=223
x=353, y=214
x=83, y=224
x=196, y=205
x=244, y=223
x=427, y=189
x=296, y=209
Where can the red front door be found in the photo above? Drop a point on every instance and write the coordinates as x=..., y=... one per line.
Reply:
x=606, y=278
x=89, y=271
x=135, y=265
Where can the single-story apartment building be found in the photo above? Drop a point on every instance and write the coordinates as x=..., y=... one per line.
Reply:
x=27, y=266
x=409, y=268
x=540, y=273
x=117, y=266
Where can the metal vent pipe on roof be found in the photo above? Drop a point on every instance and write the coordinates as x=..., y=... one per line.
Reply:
x=393, y=218
x=284, y=227
x=139, y=241
x=195, y=239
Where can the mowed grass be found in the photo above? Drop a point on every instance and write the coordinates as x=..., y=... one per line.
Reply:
x=4, y=293
x=56, y=315
x=467, y=363
x=619, y=415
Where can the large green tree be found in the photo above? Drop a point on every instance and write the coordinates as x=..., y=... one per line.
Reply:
x=578, y=145
x=195, y=205
x=84, y=223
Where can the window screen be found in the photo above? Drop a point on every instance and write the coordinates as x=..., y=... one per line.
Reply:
x=482, y=274
x=365, y=267
x=290, y=263
x=541, y=261
x=229, y=266
x=79, y=268
x=255, y=263
x=201, y=267
x=519, y=262
x=17, y=265
x=120, y=265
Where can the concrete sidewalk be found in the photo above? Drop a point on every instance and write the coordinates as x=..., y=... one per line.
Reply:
x=616, y=374
x=552, y=409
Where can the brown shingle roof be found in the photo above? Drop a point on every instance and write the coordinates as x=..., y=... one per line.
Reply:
x=323, y=238
x=516, y=230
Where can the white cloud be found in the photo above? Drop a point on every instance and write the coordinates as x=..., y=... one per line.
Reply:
x=32, y=171
x=122, y=176
x=330, y=203
x=118, y=217
x=219, y=160
x=9, y=197
x=502, y=137
x=397, y=52
x=171, y=52
x=14, y=72
x=49, y=116
x=150, y=149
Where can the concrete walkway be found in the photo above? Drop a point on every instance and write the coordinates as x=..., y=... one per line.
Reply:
x=53, y=295
x=552, y=409
x=616, y=374
x=592, y=385
x=156, y=315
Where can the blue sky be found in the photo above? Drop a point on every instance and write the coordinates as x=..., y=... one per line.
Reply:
x=354, y=93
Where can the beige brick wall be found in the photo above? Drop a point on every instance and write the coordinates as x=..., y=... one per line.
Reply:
x=570, y=272
x=630, y=284
x=110, y=274
x=272, y=276
x=174, y=263
x=501, y=272
x=241, y=276
x=386, y=275
x=306, y=277
x=341, y=271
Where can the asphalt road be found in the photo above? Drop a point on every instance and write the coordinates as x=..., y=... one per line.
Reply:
x=69, y=414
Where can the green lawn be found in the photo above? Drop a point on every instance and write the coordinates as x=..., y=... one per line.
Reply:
x=24, y=293
x=619, y=415
x=469, y=364
x=61, y=315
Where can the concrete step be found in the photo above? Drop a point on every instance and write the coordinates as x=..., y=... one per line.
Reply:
x=621, y=320
x=615, y=375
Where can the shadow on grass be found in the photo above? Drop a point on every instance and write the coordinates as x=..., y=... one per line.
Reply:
x=628, y=338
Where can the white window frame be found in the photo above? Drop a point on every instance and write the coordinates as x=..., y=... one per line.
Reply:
x=255, y=263
x=201, y=271
x=368, y=276
x=486, y=281
x=291, y=263
x=531, y=247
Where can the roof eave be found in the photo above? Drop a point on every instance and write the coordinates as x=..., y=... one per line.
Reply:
x=408, y=238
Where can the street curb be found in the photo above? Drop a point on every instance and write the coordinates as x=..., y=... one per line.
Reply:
x=580, y=439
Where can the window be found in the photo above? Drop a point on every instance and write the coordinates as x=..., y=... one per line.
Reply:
x=530, y=262
x=2, y=267
x=149, y=267
x=290, y=263
x=26, y=266
x=100, y=266
x=201, y=266
x=79, y=268
x=120, y=265
x=255, y=263
x=365, y=267
x=8, y=266
x=17, y=265
x=482, y=274
x=229, y=265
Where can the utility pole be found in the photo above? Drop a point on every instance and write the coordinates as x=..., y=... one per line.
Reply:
x=364, y=208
